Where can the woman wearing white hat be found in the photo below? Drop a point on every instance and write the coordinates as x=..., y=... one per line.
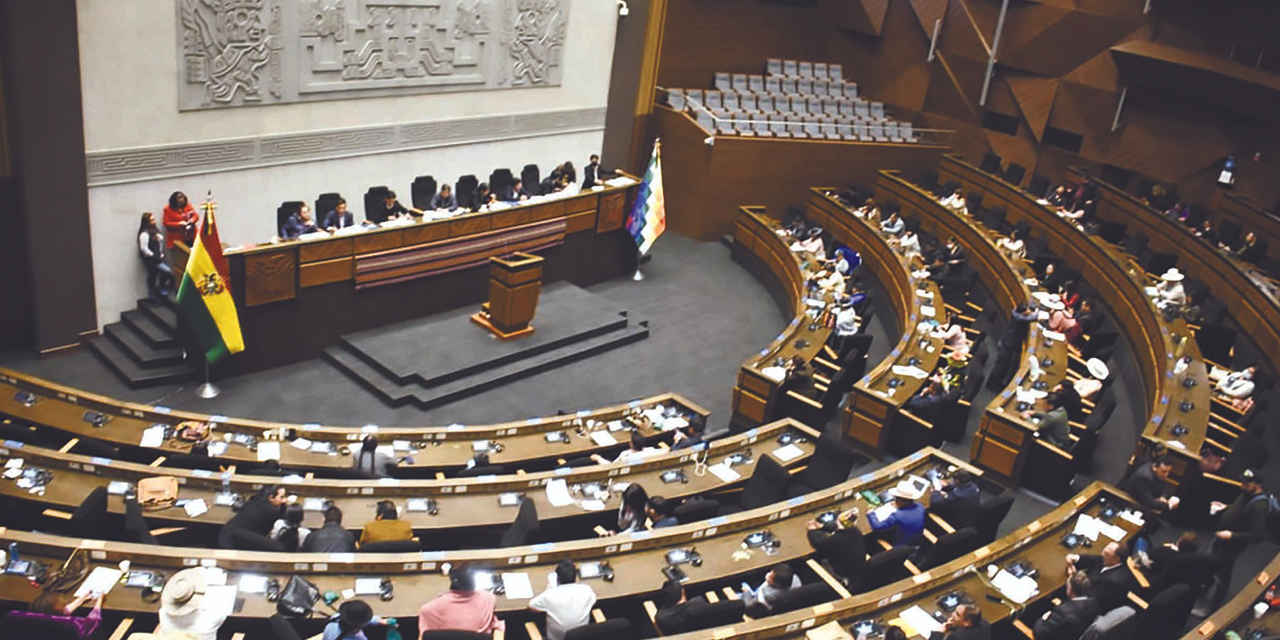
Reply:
x=1061, y=318
x=181, y=610
x=1169, y=293
x=1098, y=372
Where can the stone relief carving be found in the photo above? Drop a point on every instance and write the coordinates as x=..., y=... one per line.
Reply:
x=253, y=52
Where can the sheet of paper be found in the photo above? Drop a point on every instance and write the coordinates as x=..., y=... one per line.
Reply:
x=1087, y=526
x=13, y=463
x=118, y=488
x=250, y=583
x=654, y=414
x=558, y=493
x=920, y=621
x=592, y=505
x=219, y=600
x=313, y=504
x=1111, y=531
x=603, y=438
x=152, y=437
x=268, y=451
x=302, y=444
x=100, y=580
x=788, y=453
x=927, y=310
x=368, y=586
x=1132, y=517
x=196, y=508
x=724, y=472
x=214, y=575
x=1019, y=590
x=777, y=374
x=217, y=449
x=829, y=631
x=884, y=511
x=402, y=445
x=924, y=293
x=517, y=585
x=912, y=371
x=321, y=447
x=1054, y=335
x=670, y=424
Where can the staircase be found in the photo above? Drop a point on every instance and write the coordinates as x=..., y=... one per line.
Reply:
x=143, y=348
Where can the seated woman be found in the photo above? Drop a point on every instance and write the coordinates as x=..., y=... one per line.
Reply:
x=48, y=609
x=952, y=334
x=1088, y=387
x=1237, y=388
x=955, y=201
x=1013, y=246
x=1061, y=317
x=909, y=244
x=288, y=530
x=811, y=243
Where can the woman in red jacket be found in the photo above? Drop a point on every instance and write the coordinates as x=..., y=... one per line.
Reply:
x=180, y=221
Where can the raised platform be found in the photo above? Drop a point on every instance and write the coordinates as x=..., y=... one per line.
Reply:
x=443, y=358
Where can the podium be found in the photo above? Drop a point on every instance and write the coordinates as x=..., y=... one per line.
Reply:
x=515, y=282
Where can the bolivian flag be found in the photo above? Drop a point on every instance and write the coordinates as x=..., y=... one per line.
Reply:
x=205, y=296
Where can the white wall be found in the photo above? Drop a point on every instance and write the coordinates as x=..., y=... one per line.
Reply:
x=129, y=70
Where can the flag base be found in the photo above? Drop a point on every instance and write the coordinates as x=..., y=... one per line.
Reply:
x=208, y=391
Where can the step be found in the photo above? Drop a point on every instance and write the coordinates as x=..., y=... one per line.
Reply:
x=148, y=329
x=140, y=350
x=162, y=312
x=398, y=393
x=133, y=374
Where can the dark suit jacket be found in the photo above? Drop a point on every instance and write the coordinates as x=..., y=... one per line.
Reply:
x=590, y=175
x=845, y=549
x=957, y=505
x=1171, y=567
x=980, y=632
x=1068, y=621
x=1110, y=587
x=334, y=221
x=1146, y=488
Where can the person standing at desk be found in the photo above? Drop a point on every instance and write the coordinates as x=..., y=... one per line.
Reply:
x=372, y=462
x=180, y=220
x=1010, y=345
x=905, y=524
x=1244, y=523
x=252, y=524
x=443, y=200
x=298, y=224
x=339, y=218
x=390, y=209
x=591, y=173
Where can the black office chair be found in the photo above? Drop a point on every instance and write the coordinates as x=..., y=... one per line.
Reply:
x=990, y=514
x=830, y=465
x=284, y=212
x=769, y=483
x=949, y=547
x=373, y=198
x=135, y=526
x=696, y=510
x=883, y=569
x=522, y=529
x=500, y=183
x=990, y=163
x=531, y=177
x=391, y=546
x=611, y=629
x=1014, y=173
x=325, y=203
x=705, y=615
x=1159, y=262
x=282, y=628
x=463, y=189
x=1216, y=342
x=90, y=518
x=95, y=449
x=1166, y=614
x=802, y=597
x=422, y=191
x=486, y=470
x=1136, y=243
x=16, y=625
x=1038, y=187
x=1228, y=232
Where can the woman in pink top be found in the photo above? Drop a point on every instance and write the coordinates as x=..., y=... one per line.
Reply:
x=461, y=607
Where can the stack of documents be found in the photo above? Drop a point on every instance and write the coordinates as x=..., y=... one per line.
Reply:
x=1019, y=590
x=910, y=370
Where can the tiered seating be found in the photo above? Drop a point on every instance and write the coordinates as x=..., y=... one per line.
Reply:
x=802, y=100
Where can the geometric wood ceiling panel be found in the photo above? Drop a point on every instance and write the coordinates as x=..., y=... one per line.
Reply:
x=1035, y=96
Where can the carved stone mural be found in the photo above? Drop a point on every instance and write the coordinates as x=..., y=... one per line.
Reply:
x=253, y=52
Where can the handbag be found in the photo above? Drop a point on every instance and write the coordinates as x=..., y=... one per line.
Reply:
x=192, y=431
x=298, y=598
x=157, y=493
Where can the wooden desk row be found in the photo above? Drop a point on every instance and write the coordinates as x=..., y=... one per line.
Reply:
x=431, y=448
x=878, y=396
x=1238, y=615
x=757, y=244
x=636, y=558
x=1038, y=543
x=462, y=502
x=1157, y=343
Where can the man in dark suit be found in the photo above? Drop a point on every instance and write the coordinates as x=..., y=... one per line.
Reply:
x=799, y=377
x=965, y=623
x=1243, y=523
x=1109, y=576
x=591, y=173
x=929, y=404
x=674, y=609
x=1182, y=562
x=339, y=218
x=1148, y=485
x=958, y=500
x=1010, y=346
x=1068, y=620
x=840, y=543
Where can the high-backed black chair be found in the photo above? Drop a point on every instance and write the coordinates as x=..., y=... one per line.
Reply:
x=1014, y=173
x=531, y=177
x=1228, y=232
x=523, y=528
x=465, y=186
x=282, y=628
x=1216, y=341
x=802, y=597
x=422, y=191
x=325, y=203
x=373, y=198
x=769, y=483
x=1038, y=187
x=882, y=569
x=135, y=526
x=500, y=182
x=1166, y=614
x=611, y=629
x=1112, y=232
x=830, y=465
x=990, y=163
x=391, y=546
x=1136, y=243
x=990, y=514
x=705, y=615
x=95, y=448
x=949, y=547
x=696, y=510
x=1159, y=262
x=90, y=518
x=284, y=211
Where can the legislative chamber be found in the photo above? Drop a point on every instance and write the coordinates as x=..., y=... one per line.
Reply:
x=629, y=319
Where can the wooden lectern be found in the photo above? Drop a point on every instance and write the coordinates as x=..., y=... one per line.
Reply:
x=515, y=281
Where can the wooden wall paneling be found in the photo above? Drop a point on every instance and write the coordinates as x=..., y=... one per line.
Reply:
x=613, y=212
x=928, y=12
x=270, y=276
x=326, y=272
x=945, y=95
x=334, y=248
x=1051, y=41
x=378, y=241
x=1034, y=96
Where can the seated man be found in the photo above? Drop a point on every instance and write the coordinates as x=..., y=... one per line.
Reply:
x=1053, y=425
x=965, y=623
x=1068, y=620
x=778, y=581
x=298, y=223
x=1109, y=576
x=840, y=543
x=905, y=524
x=1148, y=485
x=462, y=607
x=566, y=602
x=386, y=525
x=443, y=200
x=958, y=499
x=339, y=218
x=517, y=192
x=929, y=403
x=390, y=209
x=659, y=511
x=332, y=537
x=674, y=608
x=799, y=377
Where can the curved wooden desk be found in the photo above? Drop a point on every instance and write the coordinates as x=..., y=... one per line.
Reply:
x=1157, y=343
x=463, y=502
x=635, y=557
x=1238, y=615
x=878, y=397
x=431, y=448
x=1037, y=543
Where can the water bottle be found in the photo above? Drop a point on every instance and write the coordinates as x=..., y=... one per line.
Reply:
x=13, y=552
x=226, y=482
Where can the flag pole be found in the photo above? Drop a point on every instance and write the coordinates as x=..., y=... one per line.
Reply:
x=208, y=390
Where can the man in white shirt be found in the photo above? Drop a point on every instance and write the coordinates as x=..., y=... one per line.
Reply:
x=778, y=581
x=566, y=602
